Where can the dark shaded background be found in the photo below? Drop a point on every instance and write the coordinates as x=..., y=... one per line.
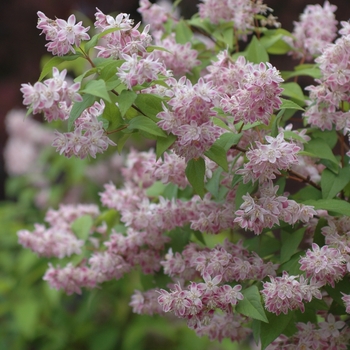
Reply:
x=21, y=47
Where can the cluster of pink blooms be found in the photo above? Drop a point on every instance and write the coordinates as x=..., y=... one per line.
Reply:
x=88, y=137
x=53, y=97
x=317, y=27
x=58, y=240
x=136, y=70
x=250, y=92
x=266, y=160
x=266, y=209
x=332, y=333
x=231, y=261
x=198, y=302
x=26, y=138
x=240, y=12
x=325, y=264
x=154, y=14
x=325, y=107
x=125, y=40
x=62, y=35
x=287, y=293
x=190, y=117
x=179, y=58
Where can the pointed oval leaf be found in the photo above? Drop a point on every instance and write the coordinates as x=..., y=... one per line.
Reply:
x=146, y=124
x=332, y=184
x=275, y=327
x=97, y=88
x=195, y=172
x=251, y=305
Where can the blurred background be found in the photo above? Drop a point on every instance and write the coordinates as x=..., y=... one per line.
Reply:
x=31, y=315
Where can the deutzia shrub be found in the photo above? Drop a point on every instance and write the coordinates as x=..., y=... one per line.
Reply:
x=226, y=159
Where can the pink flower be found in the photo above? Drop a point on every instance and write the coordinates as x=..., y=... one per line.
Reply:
x=324, y=264
x=62, y=34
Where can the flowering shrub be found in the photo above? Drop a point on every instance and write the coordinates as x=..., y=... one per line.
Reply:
x=228, y=160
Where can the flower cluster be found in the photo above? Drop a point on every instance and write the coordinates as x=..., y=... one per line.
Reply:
x=190, y=117
x=317, y=27
x=63, y=35
x=135, y=71
x=179, y=58
x=240, y=12
x=250, y=91
x=324, y=264
x=53, y=97
x=59, y=239
x=287, y=293
x=24, y=142
x=266, y=160
x=266, y=209
x=88, y=137
x=325, y=107
x=330, y=334
x=154, y=14
x=124, y=40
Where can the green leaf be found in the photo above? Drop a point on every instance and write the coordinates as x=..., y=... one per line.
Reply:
x=274, y=43
x=26, y=314
x=195, y=172
x=97, y=88
x=163, y=144
x=276, y=122
x=291, y=135
x=78, y=108
x=47, y=69
x=293, y=90
x=288, y=104
x=125, y=101
x=227, y=140
x=107, y=71
x=341, y=286
x=290, y=243
x=54, y=62
x=318, y=148
x=336, y=206
x=156, y=189
x=213, y=184
x=183, y=32
x=251, y=304
x=332, y=184
x=329, y=136
x=275, y=327
x=147, y=125
x=264, y=245
x=121, y=142
x=91, y=43
x=152, y=48
x=199, y=236
x=256, y=327
x=304, y=70
x=82, y=226
x=218, y=155
x=112, y=114
x=149, y=104
x=256, y=52
x=307, y=192
x=292, y=266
